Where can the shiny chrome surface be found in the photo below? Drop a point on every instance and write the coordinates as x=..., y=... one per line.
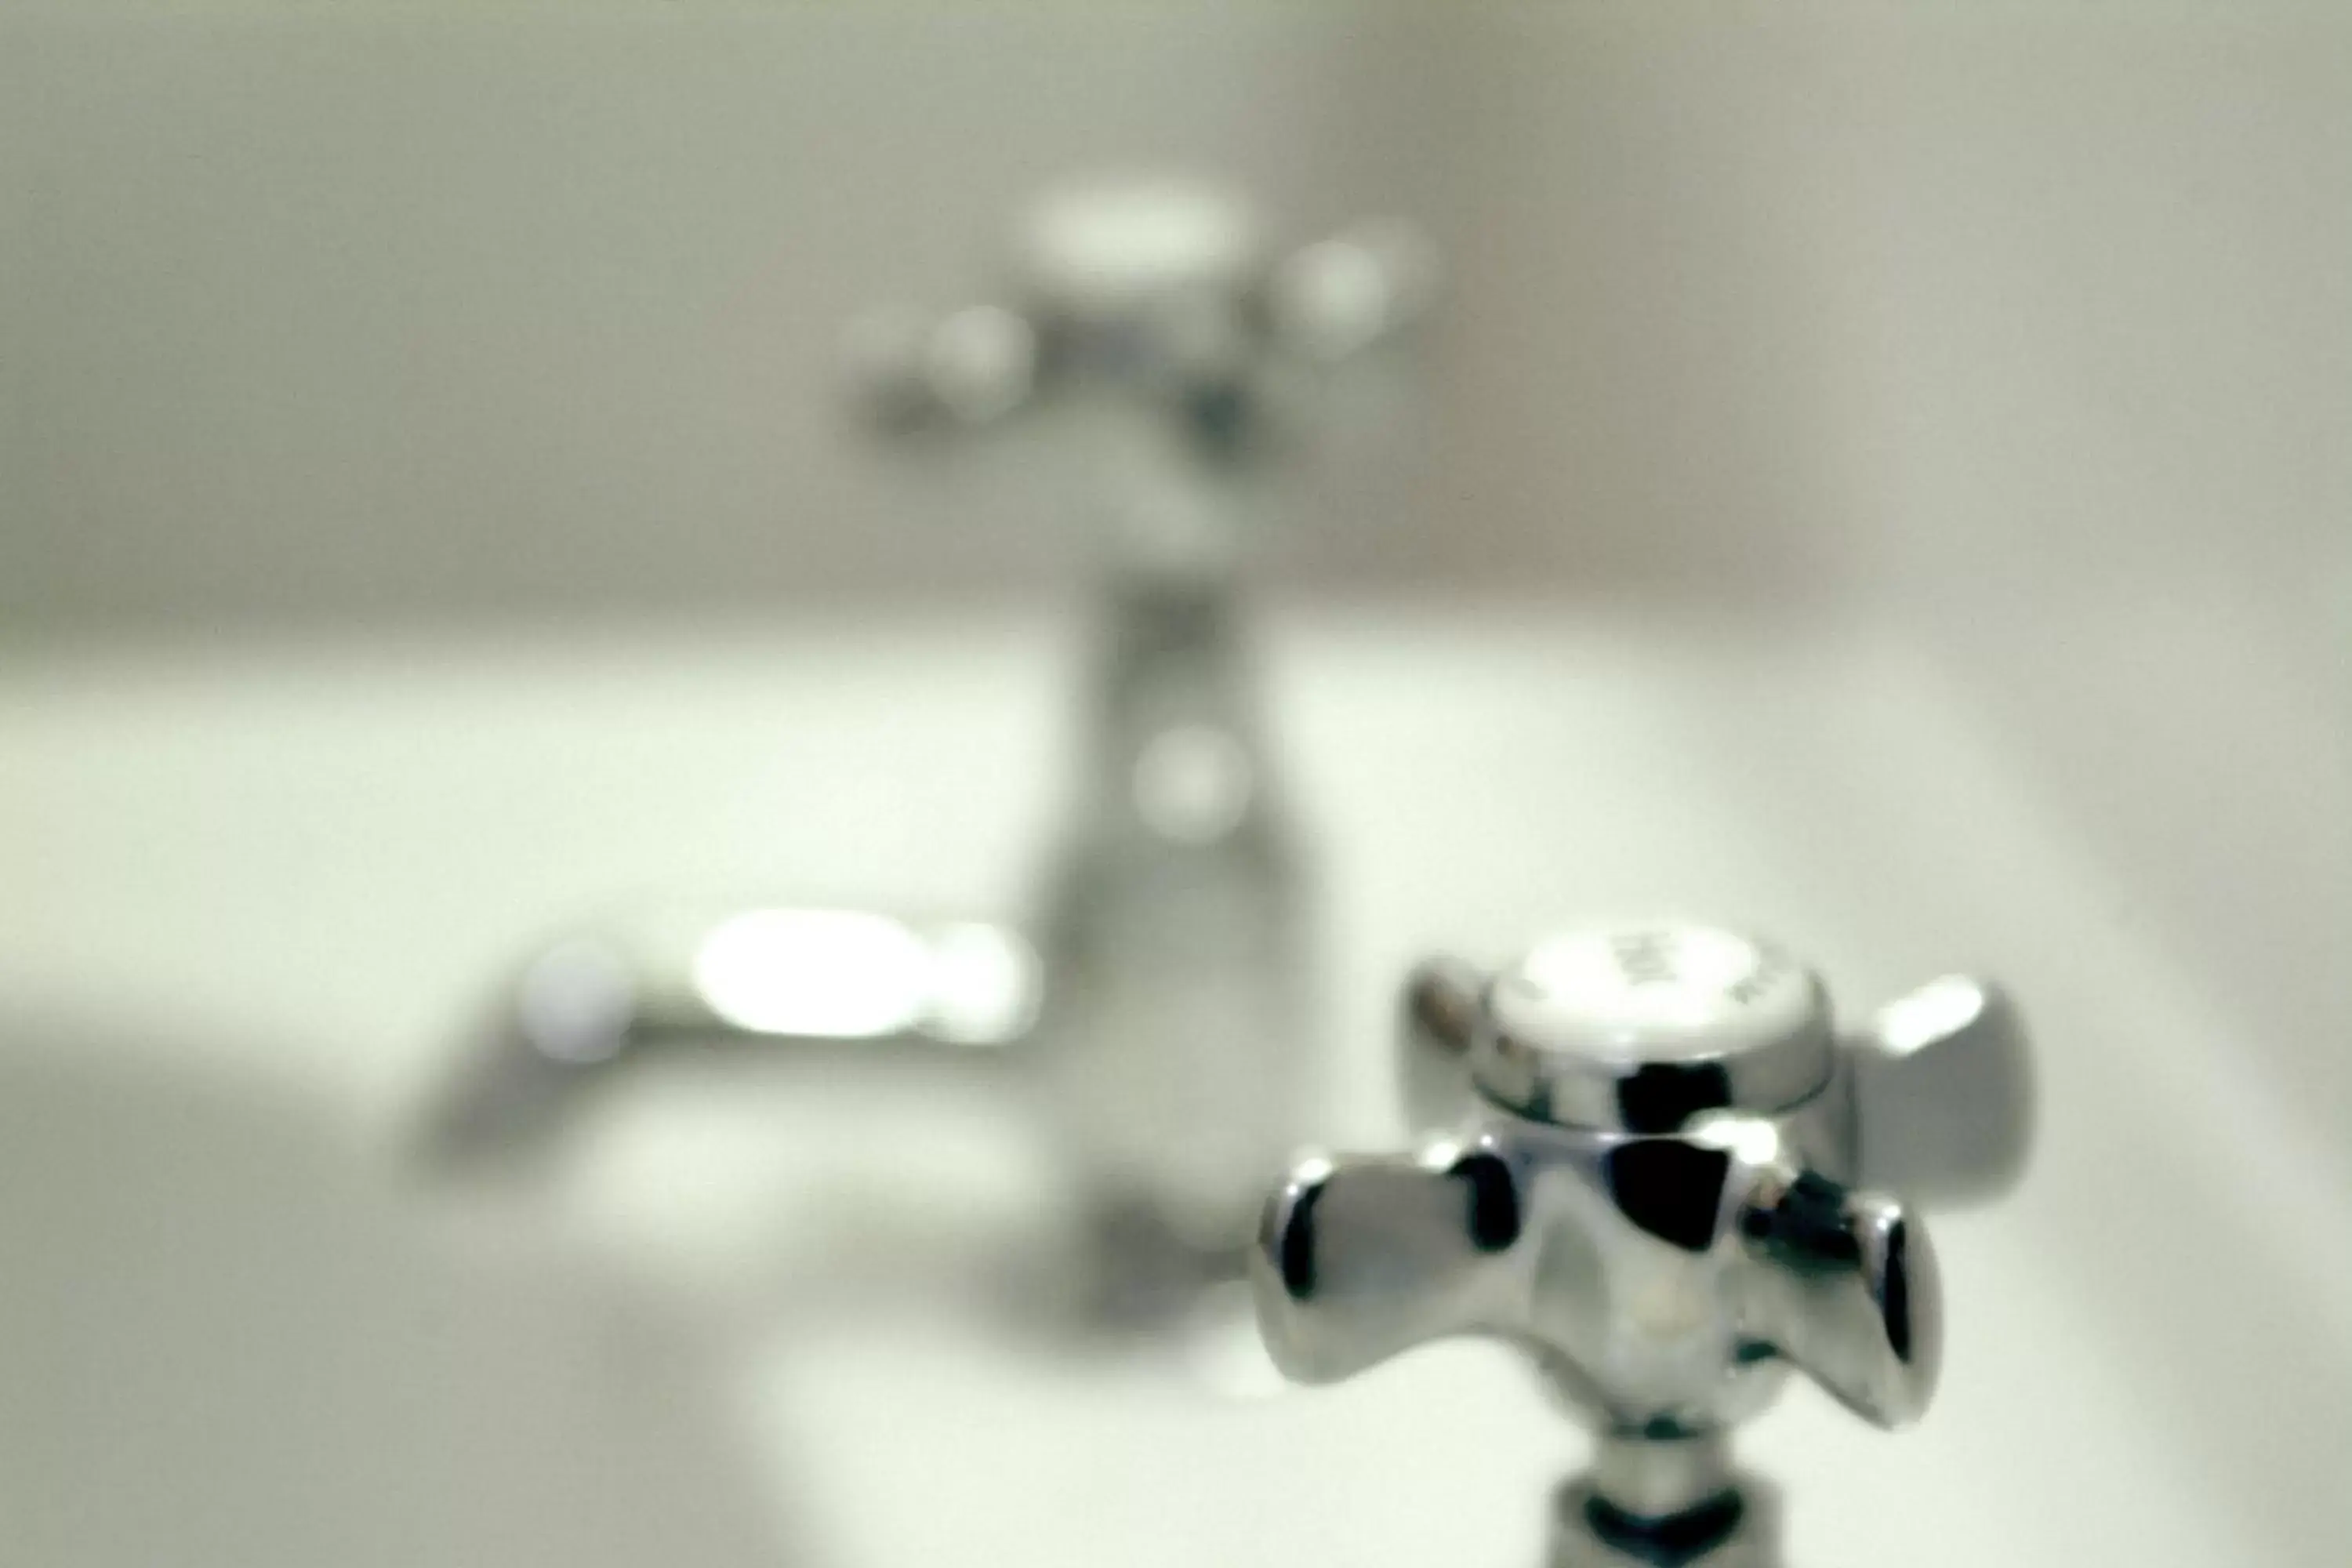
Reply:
x=1170, y=295
x=1150, y=999
x=1733, y=1524
x=779, y=980
x=1651, y=1193
x=1943, y=1094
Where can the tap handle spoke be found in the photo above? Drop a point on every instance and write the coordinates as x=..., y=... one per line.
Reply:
x=1438, y=1019
x=1361, y=289
x=911, y=372
x=1848, y=1291
x=1943, y=1094
x=1361, y=1257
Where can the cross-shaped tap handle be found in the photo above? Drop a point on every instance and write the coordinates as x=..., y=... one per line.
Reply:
x=1675, y=1182
x=1163, y=290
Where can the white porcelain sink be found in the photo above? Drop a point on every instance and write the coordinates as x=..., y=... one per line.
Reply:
x=224, y=1342
x=245, y=899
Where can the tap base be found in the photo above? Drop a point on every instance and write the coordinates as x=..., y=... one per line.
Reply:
x=1738, y=1527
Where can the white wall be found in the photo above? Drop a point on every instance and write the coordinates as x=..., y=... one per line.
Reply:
x=400, y=308
x=2030, y=324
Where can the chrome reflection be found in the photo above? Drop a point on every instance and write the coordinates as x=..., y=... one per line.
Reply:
x=576, y=1003
x=850, y=975
x=1194, y=784
x=1667, y=1256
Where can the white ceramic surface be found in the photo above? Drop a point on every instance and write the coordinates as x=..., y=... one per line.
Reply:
x=248, y=897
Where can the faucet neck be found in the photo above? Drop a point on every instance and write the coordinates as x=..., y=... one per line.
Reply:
x=1173, y=753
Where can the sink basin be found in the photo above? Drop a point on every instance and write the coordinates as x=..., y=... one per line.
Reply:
x=224, y=1341
x=250, y=897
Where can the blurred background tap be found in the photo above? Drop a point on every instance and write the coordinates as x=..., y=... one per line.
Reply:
x=1156, y=1002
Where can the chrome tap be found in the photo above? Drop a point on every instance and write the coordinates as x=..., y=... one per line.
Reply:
x=1148, y=1004
x=1674, y=1183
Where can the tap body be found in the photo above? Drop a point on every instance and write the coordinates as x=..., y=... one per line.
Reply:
x=1174, y=1042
